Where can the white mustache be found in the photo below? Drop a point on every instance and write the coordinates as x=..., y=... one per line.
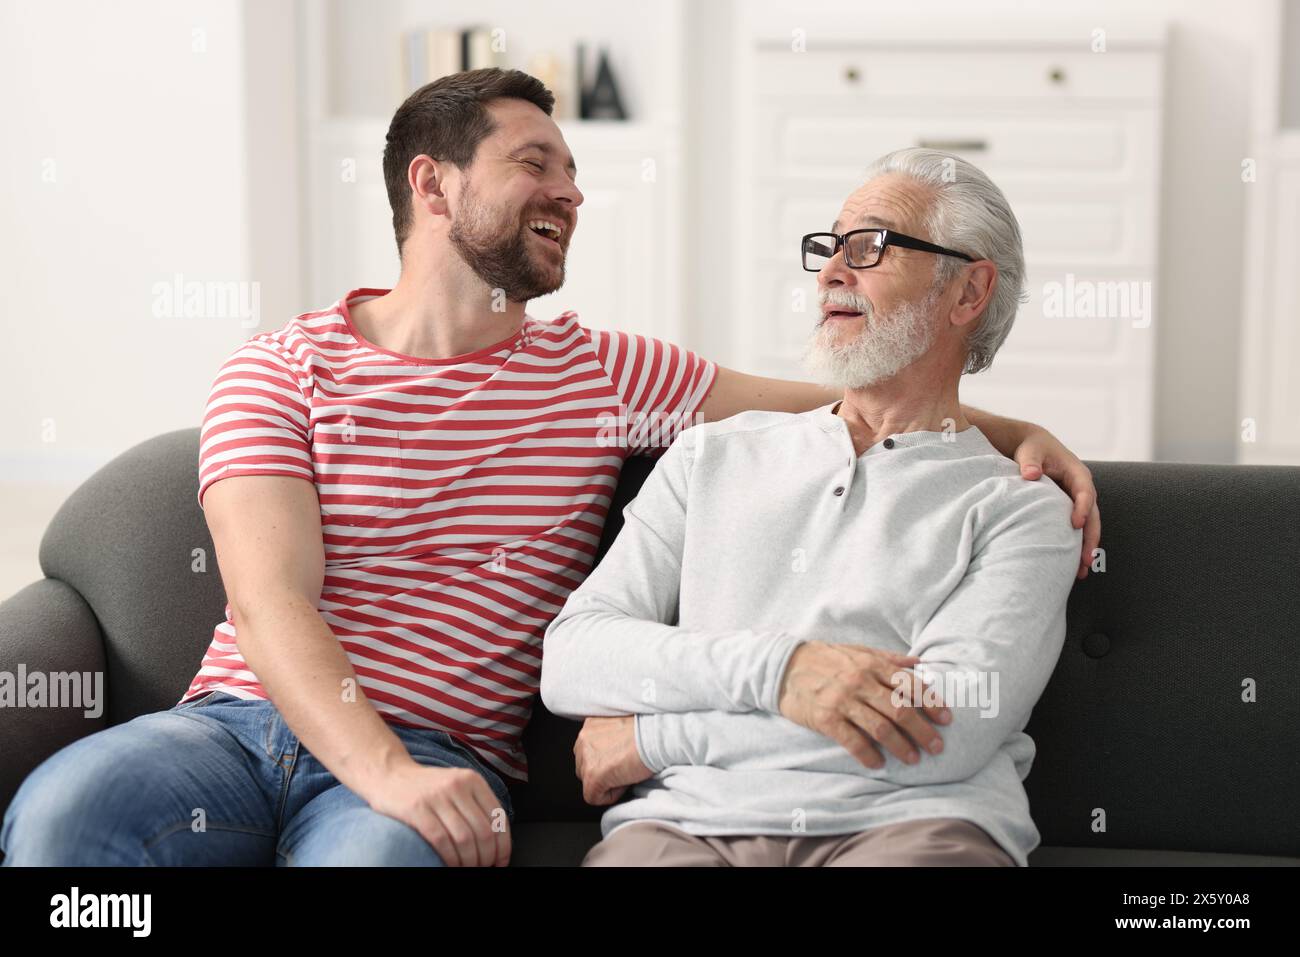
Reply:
x=849, y=300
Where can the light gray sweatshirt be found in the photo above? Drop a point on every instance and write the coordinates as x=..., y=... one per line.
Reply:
x=760, y=532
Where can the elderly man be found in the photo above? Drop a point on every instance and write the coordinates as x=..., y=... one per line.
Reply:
x=818, y=638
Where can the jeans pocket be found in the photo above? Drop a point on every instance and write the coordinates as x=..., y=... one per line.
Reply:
x=444, y=741
x=206, y=697
x=494, y=780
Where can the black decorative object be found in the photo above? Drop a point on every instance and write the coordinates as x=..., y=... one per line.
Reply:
x=601, y=101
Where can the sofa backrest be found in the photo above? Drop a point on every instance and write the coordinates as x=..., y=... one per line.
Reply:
x=133, y=541
x=1146, y=735
x=1172, y=714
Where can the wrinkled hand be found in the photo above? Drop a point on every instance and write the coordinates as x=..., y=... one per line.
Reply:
x=606, y=759
x=1041, y=453
x=454, y=809
x=846, y=692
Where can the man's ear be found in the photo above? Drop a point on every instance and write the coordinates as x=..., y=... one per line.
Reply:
x=977, y=288
x=427, y=179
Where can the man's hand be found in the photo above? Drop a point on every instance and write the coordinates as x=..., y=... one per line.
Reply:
x=1038, y=453
x=1041, y=453
x=454, y=809
x=846, y=693
x=606, y=759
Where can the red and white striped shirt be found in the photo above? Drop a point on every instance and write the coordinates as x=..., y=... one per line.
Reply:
x=461, y=499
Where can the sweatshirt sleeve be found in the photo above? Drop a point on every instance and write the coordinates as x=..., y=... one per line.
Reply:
x=615, y=647
x=995, y=639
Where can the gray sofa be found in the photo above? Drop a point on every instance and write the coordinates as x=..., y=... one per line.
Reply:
x=1143, y=719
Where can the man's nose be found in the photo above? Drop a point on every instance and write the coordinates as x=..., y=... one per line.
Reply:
x=835, y=273
x=566, y=191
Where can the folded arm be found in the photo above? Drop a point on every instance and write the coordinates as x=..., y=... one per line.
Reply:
x=615, y=647
x=1003, y=625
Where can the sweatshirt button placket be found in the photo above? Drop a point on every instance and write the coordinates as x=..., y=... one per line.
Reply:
x=839, y=490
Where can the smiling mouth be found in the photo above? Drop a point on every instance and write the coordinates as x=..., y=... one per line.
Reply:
x=549, y=241
x=546, y=229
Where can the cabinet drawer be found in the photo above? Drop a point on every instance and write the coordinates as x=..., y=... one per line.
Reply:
x=1082, y=314
x=1047, y=75
x=1004, y=146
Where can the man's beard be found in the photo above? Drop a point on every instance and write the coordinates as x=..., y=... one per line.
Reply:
x=497, y=251
x=885, y=346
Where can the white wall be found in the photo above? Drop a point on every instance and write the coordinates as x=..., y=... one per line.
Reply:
x=123, y=165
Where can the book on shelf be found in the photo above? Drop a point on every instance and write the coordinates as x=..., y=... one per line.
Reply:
x=429, y=54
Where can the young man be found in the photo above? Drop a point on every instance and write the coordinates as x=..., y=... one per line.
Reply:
x=403, y=489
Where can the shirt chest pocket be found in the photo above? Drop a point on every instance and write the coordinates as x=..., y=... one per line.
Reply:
x=358, y=471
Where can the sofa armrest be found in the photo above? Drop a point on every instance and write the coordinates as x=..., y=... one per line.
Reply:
x=45, y=628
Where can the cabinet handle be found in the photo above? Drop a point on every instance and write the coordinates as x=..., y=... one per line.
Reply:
x=955, y=146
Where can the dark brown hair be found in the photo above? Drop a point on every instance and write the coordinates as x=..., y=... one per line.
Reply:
x=447, y=119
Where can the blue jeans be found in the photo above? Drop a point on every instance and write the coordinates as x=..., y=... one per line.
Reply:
x=214, y=781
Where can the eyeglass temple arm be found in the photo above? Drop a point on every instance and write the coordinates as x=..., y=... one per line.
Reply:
x=896, y=240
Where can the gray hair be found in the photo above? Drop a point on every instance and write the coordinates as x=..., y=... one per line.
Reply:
x=969, y=214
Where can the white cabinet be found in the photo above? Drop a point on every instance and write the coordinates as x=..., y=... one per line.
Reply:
x=623, y=267
x=1071, y=137
x=1270, y=388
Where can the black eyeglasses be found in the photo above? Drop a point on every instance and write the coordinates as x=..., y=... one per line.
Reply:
x=863, y=248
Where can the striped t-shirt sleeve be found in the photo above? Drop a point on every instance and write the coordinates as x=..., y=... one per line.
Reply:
x=662, y=386
x=256, y=420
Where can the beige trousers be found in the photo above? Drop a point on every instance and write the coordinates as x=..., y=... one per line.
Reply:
x=925, y=843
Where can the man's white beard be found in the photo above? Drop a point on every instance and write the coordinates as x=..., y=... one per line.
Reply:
x=885, y=346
